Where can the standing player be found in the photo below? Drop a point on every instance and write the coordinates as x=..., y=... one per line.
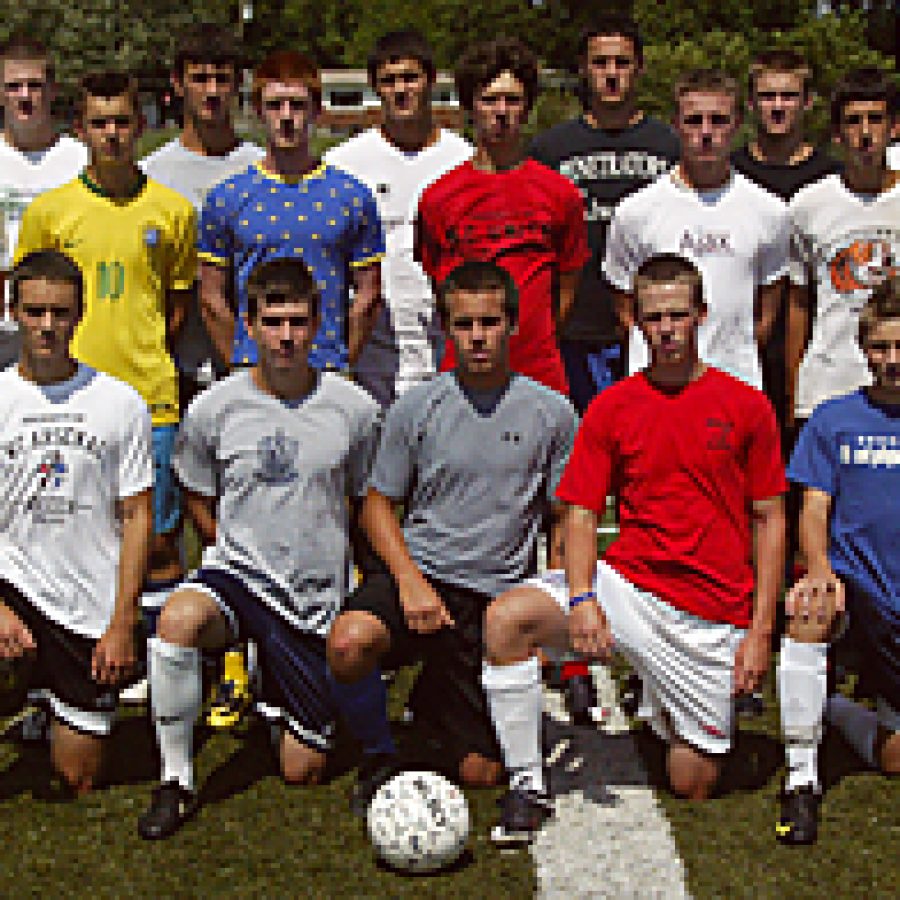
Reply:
x=475, y=456
x=688, y=589
x=134, y=240
x=846, y=240
x=33, y=157
x=396, y=161
x=609, y=151
x=268, y=457
x=847, y=460
x=290, y=205
x=500, y=207
x=735, y=231
x=206, y=152
x=75, y=520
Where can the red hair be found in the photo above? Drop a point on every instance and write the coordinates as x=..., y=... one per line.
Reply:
x=284, y=66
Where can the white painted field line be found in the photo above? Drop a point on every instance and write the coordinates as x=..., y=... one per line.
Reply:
x=608, y=837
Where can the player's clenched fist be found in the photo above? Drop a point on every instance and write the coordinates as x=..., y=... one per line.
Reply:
x=424, y=610
x=589, y=631
x=15, y=638
x=816, y=597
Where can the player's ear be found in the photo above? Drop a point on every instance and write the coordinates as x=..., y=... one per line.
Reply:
x=177, y=83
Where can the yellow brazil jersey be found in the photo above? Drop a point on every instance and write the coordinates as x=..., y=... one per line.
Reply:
x=131, y=252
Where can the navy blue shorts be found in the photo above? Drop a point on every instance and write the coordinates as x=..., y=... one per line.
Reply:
x=294, y=685
x=877, y=630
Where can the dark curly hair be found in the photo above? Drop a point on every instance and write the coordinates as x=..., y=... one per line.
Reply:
x=484, y=61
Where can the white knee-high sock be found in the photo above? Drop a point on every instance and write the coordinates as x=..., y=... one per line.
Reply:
x=802, y=688
x=176, y=693
x=858, y=725
x=515, y=700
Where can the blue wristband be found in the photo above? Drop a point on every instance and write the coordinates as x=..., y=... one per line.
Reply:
x=582, y=598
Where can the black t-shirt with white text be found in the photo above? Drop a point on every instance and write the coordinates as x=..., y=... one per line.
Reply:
x=605, y=166
x=782, y=179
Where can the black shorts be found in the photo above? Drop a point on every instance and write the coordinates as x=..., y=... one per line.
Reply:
x=61, y=668
x=294, y=685
x=448, y=700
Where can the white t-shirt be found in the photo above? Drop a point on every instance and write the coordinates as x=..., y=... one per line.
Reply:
x=68, y=453
x=737, y=235
x=405, y=334
x=282, y=473
x=893, y=157
x=24, y=176
x=192, y=175
x=845, y=243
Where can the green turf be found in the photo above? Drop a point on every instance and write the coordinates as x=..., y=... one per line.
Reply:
x=253, y=837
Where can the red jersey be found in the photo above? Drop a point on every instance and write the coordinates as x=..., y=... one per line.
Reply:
x=530, y=220
x=686, y=466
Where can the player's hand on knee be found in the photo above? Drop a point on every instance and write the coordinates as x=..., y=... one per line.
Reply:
x=751, y=662
x=15, y=638
x=423, y=608
x=589, y=632
x=816, y=597
x=114, y=657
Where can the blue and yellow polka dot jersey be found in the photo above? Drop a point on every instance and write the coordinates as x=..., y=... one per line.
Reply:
x=326, y=217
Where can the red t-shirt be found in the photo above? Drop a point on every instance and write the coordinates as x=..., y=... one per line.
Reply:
x=530, y=220
x=686, y=466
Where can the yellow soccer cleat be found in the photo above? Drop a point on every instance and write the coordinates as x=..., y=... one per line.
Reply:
x=231, y=698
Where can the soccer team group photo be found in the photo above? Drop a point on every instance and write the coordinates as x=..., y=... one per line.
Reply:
x=352, y=450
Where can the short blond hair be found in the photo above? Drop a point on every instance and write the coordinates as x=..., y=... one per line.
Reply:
x=669, y=268
x=713, y=81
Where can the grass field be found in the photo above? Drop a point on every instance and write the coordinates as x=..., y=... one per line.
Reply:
x=256, y=837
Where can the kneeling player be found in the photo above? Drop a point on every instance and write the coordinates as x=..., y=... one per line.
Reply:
x=694, y=456
x=848, y=461
x=268, y=457
x=75, y=519
x=475, y=454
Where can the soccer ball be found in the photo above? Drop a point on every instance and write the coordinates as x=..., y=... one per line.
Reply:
x=418, y=822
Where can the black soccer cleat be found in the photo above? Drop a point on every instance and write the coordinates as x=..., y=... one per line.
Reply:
x=374, y=770
x=521, y=815
x=171, y=806
x=799, y=822
x=581, y=698
x=30, y=728
x=630, y=700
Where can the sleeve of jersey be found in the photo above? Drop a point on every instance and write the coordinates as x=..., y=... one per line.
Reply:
x=215, y=240
x=194, y=459
x=624, y=254
x=572, y=250
x=136, y=453
x=586, y=478
x=362, y=454
x=32, y=233
x=392, y=470
x=561, y=451
x=183, y=272
x=368, y=248
x=774, y=260
x=765, y=467
x=812, y=463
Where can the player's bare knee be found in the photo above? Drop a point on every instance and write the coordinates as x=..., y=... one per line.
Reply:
x=79, y=776
x=352, y=648
x=182, y=619
x=300, y=765
x=692, y=773
x=888, y=752
x=476, y=771
x=505, y=633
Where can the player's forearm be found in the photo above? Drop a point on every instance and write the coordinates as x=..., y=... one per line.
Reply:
x=568, y=287
x=814, y=535
x=216, y=312
x=382, y=528
x=176, y=313
x=769, y=299
x=557, y=540
x=137, y=533
x=768, y=564
x=623, y=303
x=201, y=511
x=580, y=549
x=364, y=310
x=795, y=341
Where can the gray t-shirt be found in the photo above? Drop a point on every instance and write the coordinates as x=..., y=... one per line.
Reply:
x=193, y=175
x=282, y=474
x=477, y=483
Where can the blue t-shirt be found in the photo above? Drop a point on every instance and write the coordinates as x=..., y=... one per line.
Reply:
x=327, y=217
x=850, y=450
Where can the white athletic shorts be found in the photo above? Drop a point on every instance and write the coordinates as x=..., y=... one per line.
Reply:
x=685, y=663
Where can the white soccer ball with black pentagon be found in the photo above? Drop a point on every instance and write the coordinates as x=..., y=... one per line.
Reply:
x=419, y=822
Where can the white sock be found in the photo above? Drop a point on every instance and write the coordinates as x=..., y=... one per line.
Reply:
x=857, y=724
x=516, y=704
x=802, y=686
x=176, y=694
